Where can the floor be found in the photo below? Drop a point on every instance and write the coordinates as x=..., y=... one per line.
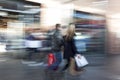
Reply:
x=101, y=67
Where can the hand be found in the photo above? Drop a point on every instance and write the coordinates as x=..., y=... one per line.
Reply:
x=78, y=55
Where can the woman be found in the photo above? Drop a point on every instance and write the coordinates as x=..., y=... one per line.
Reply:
x=70, y=50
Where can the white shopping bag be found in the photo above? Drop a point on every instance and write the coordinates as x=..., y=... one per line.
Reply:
x=81, y=61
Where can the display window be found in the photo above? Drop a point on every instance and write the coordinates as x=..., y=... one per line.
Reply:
x=93, y=28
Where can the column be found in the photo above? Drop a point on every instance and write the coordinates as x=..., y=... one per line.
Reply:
x=55, y=12
x=113, y=27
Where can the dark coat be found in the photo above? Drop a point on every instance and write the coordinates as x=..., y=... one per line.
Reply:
x=57, y=41
x=69, y=49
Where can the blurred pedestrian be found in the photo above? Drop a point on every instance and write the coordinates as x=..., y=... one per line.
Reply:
x=29, y=43
x=57, y=43
x=70, y=50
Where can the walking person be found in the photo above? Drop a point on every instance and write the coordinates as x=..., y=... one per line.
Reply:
x=29, y=48
x=70, y=50
x=57, y=42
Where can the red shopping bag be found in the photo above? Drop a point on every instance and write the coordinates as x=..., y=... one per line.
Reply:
x=51, y=59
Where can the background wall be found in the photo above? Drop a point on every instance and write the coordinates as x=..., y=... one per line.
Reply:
x=113, y=27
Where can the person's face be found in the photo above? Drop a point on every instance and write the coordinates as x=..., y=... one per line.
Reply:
x=59, y=27
x=64, y=30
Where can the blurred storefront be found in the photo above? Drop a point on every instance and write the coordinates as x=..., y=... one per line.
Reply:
x=94, y=26
x=15, y=17
x=105, y=35
x=39, y=16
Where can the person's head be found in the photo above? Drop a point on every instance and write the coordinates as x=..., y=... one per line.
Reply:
x=58, y=26
x=70, y=31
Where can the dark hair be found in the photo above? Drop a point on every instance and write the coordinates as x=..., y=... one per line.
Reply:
x=57, y=25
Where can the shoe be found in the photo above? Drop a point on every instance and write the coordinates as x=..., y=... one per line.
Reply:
x=82, y=69
x=48, y=69
x=55, y=69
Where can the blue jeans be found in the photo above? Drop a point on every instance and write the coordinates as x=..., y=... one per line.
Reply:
x=58, y=57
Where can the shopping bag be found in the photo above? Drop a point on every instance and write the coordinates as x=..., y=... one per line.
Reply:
x=51, y=59
x=81, y=61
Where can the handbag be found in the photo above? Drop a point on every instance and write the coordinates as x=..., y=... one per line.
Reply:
x=80, y=60
x=51, y=59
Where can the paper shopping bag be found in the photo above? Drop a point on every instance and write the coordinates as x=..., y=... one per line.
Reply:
x=80, y=61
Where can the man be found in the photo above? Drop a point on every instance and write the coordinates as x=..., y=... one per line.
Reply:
x=57, y=42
